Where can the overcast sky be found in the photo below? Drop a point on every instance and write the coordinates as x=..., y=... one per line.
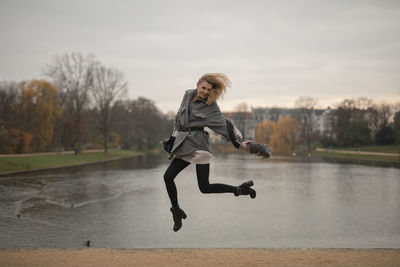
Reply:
x=273, y=51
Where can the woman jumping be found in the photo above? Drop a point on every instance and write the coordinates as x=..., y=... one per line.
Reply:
x=199, y=109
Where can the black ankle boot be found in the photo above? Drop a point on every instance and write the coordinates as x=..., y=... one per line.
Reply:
x=178, y=214
x=244, y=189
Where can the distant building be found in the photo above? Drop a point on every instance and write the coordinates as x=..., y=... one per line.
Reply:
x=274, y=114
x=246, y=122
x=323, y=121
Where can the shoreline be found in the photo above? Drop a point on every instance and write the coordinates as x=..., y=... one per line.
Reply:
x=319, y=149
x=4, y=174
x=384, y=160
x=302, y=158
x=200, y=257
x=333, y=159
x=361, y=161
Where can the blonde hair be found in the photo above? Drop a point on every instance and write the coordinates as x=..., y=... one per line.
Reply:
x=219, y=82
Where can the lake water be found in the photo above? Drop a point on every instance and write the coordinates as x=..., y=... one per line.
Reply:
x=124, y=204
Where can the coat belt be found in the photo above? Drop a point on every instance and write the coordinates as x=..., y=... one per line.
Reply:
x=190, y=129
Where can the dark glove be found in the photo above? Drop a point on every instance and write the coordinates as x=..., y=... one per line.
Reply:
x=263, y=150
x=167, y=144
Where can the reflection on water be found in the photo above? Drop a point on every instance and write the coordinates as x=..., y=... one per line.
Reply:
x=124, y=204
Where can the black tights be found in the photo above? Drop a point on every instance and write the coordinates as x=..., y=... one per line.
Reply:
x=202, y=171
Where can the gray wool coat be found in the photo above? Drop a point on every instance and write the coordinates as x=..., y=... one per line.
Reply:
x=198, y=114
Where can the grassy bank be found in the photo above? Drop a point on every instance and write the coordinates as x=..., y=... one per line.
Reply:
x=379, y=149
x=16, y=164
x=333, y=154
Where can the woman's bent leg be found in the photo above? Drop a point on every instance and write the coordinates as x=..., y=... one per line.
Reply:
x=203, y=171
x=176, y=166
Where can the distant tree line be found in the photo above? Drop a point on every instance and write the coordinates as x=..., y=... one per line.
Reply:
x=359, y=122
x=81, y=105
x=353, y=123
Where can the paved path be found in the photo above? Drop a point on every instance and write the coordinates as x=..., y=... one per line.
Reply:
x=199, y=257
x=358, y=152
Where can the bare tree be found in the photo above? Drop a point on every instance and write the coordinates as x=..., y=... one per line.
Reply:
x=9, y=93
x=363, y=103
x=396, y=125
x=347, y=104
x=149, y=123
x=140, y=123
x=241, y=111
x=109, y=86
x=305, y=106
x=386, y=112
x=73, y=74
x=396, y=107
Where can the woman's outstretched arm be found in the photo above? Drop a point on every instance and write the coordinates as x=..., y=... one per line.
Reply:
x=225, y=126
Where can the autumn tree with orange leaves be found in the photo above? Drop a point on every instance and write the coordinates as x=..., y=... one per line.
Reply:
x=38, y=111
x=281, y=135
